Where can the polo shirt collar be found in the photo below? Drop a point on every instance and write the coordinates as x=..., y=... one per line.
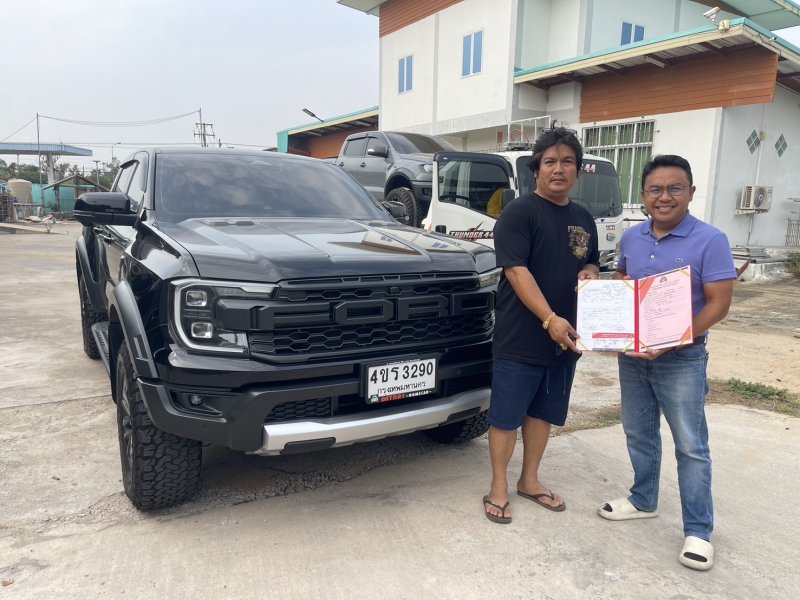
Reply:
x=682, y=230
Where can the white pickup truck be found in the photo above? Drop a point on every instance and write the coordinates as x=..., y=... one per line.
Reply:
x=470, y=189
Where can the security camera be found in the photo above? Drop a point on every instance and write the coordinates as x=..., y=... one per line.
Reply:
x=712, y=13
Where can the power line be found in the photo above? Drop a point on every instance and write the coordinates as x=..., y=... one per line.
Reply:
x=18, y=130
x=121, y=123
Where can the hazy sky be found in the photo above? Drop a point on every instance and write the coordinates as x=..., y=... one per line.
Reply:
x=250, y=65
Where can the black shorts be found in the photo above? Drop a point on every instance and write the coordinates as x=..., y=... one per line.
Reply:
x=520, y=389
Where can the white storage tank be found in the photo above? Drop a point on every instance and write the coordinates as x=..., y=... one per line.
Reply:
x=22, y=189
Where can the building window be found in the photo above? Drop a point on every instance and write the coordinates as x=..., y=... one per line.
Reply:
x=631, y=33
x=405, y=74
x=753, y=142
x=472, y=55
x=629, y=146
x=781, y=145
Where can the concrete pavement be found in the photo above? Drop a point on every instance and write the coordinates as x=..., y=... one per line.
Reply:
x=398, y=518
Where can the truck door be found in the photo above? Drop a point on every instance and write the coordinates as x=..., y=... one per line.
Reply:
x=373, y=168
x=116, y=238
x=468, y=194
x=352, y=158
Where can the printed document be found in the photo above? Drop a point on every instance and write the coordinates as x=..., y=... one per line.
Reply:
x=632, y=315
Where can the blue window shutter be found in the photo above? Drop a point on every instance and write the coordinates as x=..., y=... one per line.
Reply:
x=477, y=52
x=626, y=33
x=409, y=73
x=638, y=33
x=466, y=55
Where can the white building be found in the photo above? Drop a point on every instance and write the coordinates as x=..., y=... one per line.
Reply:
x=633, y=78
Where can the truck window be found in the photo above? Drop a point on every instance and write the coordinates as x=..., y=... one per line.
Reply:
x=597, y=189
x=473, y=185
x=194, y=186
x=355, y=147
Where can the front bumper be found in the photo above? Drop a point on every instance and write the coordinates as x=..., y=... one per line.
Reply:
x=276, y=411
x=318, y=434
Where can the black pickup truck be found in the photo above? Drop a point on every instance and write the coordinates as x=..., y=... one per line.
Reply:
x=266, y=303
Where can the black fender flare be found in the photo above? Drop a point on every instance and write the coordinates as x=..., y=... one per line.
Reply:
x=133, y=330
x=401, y=175
x=92, y=284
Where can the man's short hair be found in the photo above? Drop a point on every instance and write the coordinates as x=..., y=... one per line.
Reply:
x=555, y=137
x=667, y=160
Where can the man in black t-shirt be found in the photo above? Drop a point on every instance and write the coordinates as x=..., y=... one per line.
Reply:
x=545, y=244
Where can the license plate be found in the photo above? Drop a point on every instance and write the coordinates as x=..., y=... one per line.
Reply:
x=399, y=380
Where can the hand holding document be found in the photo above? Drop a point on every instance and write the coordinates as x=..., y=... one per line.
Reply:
x=637, y=314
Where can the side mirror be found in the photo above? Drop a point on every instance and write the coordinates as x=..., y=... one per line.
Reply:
x=378, y=150
x=104, y=208
x=397, y=210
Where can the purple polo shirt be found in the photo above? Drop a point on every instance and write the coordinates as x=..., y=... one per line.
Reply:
x=692, y=242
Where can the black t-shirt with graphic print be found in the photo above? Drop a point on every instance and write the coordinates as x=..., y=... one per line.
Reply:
x=554, y=243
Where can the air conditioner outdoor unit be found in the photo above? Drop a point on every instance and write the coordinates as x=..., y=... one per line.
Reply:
x=756, y=198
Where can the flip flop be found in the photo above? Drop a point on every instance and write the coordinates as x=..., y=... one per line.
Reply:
x=535, y=497
x=697, y=554
x=621, y=509
x=494, y=518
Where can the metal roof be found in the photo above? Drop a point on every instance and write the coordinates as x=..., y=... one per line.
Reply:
x=716, y=39
x=771, y=14
x=367, y=117
x=34, y=148
x=368, y=6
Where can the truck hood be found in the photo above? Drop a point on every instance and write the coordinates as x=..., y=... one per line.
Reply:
x=422, y=157
x=271, y=250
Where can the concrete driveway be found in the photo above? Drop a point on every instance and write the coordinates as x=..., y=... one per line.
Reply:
x=399, y=518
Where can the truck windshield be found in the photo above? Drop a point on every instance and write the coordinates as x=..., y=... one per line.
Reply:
x=195, y=185
x=597, y=189
x=413, y=143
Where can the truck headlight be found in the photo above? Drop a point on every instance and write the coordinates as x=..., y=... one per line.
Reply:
x=195, y=322
x=490, y=278
x=427, y=167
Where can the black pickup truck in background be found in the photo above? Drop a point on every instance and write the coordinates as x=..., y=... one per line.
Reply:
x=266, y=303
x=394, y=165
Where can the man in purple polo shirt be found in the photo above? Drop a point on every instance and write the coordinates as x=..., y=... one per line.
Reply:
x=673, y=381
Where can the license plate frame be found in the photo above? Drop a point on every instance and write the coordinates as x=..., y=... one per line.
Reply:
x=400, y=379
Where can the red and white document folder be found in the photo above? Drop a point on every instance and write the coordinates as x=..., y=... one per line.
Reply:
x=633, y=315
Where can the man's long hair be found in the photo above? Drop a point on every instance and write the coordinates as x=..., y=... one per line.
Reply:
x=555, y=136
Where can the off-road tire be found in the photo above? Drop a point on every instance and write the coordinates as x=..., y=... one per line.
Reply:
x=158, y=469
x=407, y=198
x=89, y=316
x=462, y=431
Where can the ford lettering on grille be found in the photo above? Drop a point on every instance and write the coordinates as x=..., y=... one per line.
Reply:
x=245, y=315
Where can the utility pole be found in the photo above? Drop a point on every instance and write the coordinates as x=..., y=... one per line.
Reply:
x=97, y=172
x=204, y=131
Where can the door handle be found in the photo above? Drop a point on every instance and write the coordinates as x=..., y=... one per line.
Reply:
x=341, y=164
x=363, y=164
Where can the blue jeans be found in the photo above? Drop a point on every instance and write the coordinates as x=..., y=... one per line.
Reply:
x=675, y=384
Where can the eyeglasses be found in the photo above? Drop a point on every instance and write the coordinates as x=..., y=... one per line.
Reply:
x=673, y=190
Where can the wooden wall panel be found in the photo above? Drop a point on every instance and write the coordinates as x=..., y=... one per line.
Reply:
x=743, y=77
x=328, y=146
x=324, y=146
x=396, y=14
